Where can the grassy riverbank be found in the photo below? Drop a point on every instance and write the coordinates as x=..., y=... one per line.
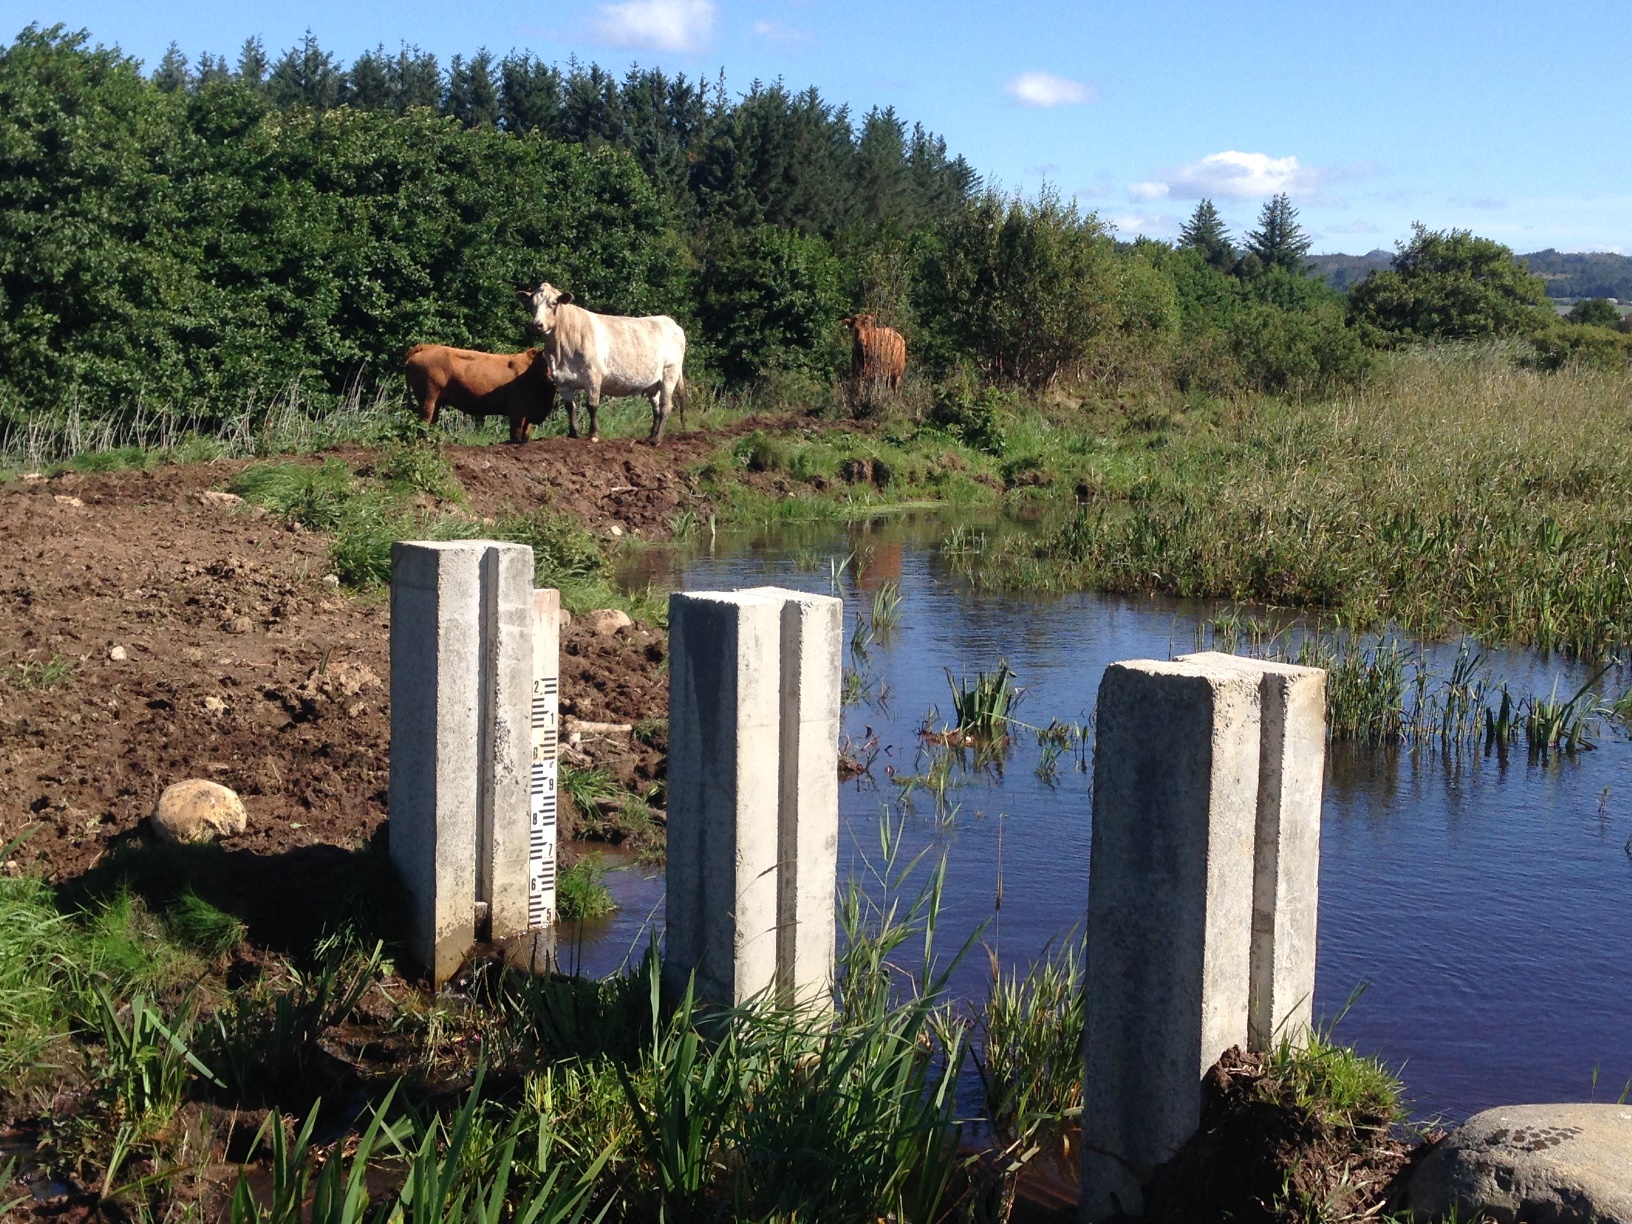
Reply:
x=1454, y=491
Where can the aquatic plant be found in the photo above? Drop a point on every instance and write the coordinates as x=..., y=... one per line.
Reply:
x=984, y=709
x=887, y=607
x=581, y=891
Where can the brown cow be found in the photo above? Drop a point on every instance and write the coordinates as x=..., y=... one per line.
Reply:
x=879, y=355
x=513, y=385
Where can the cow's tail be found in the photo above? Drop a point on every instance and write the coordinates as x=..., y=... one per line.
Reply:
x=680, y=397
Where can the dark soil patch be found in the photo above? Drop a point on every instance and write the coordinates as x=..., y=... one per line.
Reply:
x=1256, y=1157
x=243, y=666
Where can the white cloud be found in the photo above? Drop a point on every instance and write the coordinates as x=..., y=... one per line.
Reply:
x=782, y=32
x=656, y=25
x=1234, y=175
x=1354, y=227
x=1046, y=90
x=1149, y=225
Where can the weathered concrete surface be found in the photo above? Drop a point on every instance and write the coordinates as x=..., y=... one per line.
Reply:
x=808, y=806
x=725, y=697
x=1170, y=900
x=1543, y=1164
x=504, y=833
x=1286, y=874
x=436, y=646
x=198, y=810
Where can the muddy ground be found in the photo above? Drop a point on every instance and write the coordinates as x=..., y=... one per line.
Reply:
x=151, y=633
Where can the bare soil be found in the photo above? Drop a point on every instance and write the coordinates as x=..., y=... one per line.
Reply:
x=200, y=639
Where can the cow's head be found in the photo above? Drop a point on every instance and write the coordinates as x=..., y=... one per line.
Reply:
x=542, y=302
x=859, y=323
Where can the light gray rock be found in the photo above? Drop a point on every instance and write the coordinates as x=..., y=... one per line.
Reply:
x=1543, y=1164
x=198, y=810
x=605, y=621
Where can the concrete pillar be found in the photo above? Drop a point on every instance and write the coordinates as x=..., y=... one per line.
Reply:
x=723, y=788
x=546, y=727
x=1170, y=898
x=1286, y=873
x=808, y=797
x=435, y=721
x=461, y=676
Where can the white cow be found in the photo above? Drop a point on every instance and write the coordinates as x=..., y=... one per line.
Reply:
x=611, y=354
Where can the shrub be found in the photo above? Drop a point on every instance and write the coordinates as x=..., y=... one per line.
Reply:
x=1451, y=285
x=1599, y=312
x=972, y=417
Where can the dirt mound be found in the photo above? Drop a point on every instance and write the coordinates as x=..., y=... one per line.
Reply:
x=1257, y=1157
x=237, y=662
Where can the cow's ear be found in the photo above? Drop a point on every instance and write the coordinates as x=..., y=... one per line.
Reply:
x=564, y=299
x=524, y=295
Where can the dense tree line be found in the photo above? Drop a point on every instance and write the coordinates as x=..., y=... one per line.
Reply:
x=206, y=233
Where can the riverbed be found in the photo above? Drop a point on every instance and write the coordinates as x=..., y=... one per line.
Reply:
x=1475, y=909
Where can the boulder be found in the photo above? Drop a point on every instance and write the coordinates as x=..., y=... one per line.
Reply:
x=1543, y=1164
x=198, y=811
x=605, y=621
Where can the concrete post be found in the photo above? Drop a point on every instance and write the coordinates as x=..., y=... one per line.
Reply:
x=1286, y=873
x=724, y=783
x=808, y=802
x=545, y=743
x=435, y=721
x=461, y=676
x=1170, y=898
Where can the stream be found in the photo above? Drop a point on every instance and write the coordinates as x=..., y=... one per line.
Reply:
x=1475, y=924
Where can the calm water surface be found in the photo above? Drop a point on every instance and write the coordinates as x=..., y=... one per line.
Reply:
x=1485, y=907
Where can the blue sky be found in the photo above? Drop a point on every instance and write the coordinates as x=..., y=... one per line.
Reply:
x=1505, y=118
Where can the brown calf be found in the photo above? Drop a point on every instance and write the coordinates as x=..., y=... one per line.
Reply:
x=879, y=355
x=513, y=385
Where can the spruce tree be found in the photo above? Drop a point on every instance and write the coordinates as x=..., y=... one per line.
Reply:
x=211, y=69
x=306, y=76
x=171, y=74
x=252, y=63
x=1205, y=232
x=1279, y=241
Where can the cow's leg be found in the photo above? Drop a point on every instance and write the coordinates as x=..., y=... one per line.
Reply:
x=428, y=407
x=520, y=429
x=569, y=401
x=662, y=404
x=592, y=395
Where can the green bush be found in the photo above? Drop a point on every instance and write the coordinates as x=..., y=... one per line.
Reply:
x=769, y=299
x=972, y=417
x=1023, y=286
x=1598, y=312
x=1452, y=285
x=1577, y=344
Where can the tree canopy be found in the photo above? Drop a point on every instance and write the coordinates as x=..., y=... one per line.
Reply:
x=1452, y=285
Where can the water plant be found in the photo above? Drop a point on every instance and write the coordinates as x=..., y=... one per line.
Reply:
x=984, y=709
x=886, y=607
x=581, y=891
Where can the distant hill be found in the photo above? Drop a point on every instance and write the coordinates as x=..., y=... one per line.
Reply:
x=1585, y=274
x=1589, y=274
x=1341, y=271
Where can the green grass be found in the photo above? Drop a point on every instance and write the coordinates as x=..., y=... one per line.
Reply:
x=366, y=514
x=581, y=891
x=1453, y=491
x=31, y=672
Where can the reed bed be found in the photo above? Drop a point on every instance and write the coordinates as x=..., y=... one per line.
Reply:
x=1384, y=691
x=1454, y=491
